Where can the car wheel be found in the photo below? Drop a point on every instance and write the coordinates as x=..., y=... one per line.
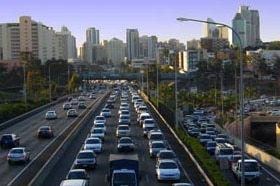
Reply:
x=9, y=162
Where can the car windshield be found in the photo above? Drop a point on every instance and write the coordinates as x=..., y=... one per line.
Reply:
x=85, y=156
x=167, y=155
x=168, y=165
x=251, y=166
x=158, y=145
x=17, y=151
x=76, y=175
x=92, y=141
x=125, y=140
x=156, y=137
x=123, y=128
x=97, y=131
x=44, y=128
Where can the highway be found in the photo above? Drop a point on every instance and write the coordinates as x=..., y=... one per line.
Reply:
x=27, y=128
x=98, y=175
x=27, y=131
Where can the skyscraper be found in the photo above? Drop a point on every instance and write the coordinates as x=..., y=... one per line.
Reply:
x=251, y=30
x=239, y=25
x=210, y=30
x=132, y=40
x=92, y=36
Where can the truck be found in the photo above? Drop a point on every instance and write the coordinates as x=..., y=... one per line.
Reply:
x=124, y=170
x=252, y=170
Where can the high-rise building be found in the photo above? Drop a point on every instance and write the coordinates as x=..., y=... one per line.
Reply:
x=239, y=25
x=92, y=36
x=210, y=30
x=251, y=30
x=39, y=40
x=116, y=52
x=132, y=41
x=148, y=47
x=67, y=44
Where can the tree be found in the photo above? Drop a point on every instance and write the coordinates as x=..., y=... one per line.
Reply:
x=74, y=83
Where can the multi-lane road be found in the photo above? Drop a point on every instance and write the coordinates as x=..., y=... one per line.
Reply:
x=27, y=128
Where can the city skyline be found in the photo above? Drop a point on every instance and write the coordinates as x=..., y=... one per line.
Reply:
x=157, y=18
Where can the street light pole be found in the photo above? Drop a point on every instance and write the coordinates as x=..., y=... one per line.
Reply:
x=176, y=89
x=24, y=85
x=241, y=89
x=50, y=86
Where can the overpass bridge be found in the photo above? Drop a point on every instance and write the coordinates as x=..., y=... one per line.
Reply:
x=131, y=76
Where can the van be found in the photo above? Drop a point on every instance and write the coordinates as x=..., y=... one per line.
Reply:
x=223, y=151
x=75, y=182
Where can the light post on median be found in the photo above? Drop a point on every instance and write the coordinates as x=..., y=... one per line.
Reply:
x=24, y=85
x=241, y=89
x=50, y=86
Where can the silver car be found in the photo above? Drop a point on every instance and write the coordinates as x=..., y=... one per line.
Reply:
x=18, y=154
x=123, y=131
x=85, y=159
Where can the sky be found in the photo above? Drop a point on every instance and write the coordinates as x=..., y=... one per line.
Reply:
x=150, y=17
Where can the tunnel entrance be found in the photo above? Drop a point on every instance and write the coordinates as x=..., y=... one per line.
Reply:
x=264, y=133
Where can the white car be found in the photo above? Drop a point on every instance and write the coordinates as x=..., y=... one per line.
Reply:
x=106, y=112
x=94, y=144
x=99, y=119
x=167, y=170
x=51, y=114
x=97, y=132
x=100, y=125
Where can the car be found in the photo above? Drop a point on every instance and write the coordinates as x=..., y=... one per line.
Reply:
x=123, y=131
x=51, y=114
x=75, y=182
x=125, y=144
x=211, y=147
x=156, y=136
x=77, y=174
x=45, y=131
x=98, y=132
x=99, y=119
x=92, y=96
x=106, y=112
x=74, y=101
x=85, y=159
x=142, y=117
x=155, y=147
x=67, y=106
x=72, y=113
x=167, y=170
x=9, y=140
x=81, y=98
x=147, y=129
x=100, y=125
x=18, y=154
x=109, y=105
x=166, y=154
x=82, y=105
x=124, y=112
x=149, y=122
x=124, y=119
x=93, y=143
